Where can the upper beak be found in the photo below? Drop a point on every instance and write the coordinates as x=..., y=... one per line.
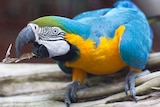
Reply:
x=25, y=36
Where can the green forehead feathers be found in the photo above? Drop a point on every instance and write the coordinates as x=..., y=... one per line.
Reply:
x=49, y=21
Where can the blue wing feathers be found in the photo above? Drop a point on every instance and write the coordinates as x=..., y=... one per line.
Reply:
x=135, y=44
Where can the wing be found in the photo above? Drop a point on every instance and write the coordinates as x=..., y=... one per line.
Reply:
x=136, y=41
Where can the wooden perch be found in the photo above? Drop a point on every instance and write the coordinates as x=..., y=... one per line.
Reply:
x=38, y=88
x=154, y=60
x=31, y=72
x=51, y=73
x=152, y=81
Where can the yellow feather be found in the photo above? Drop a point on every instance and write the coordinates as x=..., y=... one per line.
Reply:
x=104, y=59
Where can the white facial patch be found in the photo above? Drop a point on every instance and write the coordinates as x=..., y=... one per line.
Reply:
x=56, y=48
x=52, y=38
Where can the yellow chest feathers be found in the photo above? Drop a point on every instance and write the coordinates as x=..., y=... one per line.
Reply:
x=103, y=59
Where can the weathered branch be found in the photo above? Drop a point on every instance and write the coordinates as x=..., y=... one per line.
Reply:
x=50, y=72
x=150, y=100
x=105, y=89
x=31, y=72
x=110, y=89
x=38, y=88
x=154, y=60
x=48, y=99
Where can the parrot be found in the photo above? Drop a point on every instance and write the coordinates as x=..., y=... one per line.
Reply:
x=97, y=42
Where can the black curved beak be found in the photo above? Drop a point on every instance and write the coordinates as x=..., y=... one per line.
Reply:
x=25, y=36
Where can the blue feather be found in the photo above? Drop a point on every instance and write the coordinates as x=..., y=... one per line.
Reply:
x=135, y=45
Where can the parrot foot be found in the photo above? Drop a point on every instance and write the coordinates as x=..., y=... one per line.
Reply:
x=70, y=94
x=130, y=82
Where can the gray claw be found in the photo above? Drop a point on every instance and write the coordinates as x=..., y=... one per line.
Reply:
x=67, y=105
x=70, y=95
x=130, y=82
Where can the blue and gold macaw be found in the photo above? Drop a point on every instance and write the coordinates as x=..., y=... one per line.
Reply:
x=96, y=42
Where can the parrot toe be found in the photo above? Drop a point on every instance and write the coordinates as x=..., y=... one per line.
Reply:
x=130, y=82
x=70, y=95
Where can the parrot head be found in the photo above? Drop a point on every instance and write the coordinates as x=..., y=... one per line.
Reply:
x=48, y=37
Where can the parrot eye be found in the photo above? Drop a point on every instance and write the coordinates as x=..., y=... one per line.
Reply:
x=55, y=31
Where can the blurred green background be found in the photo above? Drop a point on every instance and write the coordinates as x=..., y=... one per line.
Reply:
x=15, y=14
